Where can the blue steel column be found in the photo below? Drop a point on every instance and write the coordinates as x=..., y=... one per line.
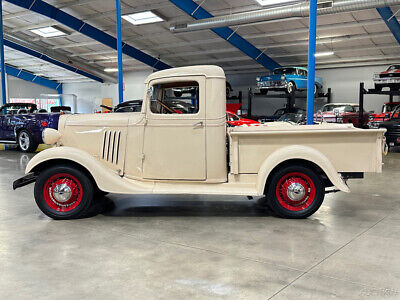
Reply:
x=2, y=64
x=119, y=49
x=312, y=41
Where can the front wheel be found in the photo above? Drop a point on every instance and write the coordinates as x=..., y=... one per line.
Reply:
x=295, y=192
x=26, y=142
x=64, y=192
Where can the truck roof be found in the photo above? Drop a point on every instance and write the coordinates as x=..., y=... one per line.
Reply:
x=206, y=70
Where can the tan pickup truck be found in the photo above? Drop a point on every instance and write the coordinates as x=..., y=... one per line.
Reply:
x=179, y=144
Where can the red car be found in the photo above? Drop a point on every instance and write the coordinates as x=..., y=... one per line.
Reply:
x=342, y=113
x=234, y=120
x=389, y=78
x=387, y=109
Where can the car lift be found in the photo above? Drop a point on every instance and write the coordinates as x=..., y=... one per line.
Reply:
x=364, y=92
x=291, y=100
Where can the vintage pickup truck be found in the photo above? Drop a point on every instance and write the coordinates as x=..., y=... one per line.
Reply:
x=159, y=151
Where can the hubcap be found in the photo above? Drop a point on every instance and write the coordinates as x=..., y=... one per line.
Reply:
x=62, y=193
x=290, y=87
x=24, y=141
x=296, y=191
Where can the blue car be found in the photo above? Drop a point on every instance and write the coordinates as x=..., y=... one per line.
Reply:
x=22, y=124
x=288, y=79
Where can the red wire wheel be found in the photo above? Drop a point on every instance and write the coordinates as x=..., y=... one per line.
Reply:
x=62, y=192
x=295, y=191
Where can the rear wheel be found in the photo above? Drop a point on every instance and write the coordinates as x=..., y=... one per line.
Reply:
x=64, y=192
x=263, y=91
x=295, y=192
x=26, y=141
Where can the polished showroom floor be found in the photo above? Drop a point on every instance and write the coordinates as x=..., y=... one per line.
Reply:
x=184, y=247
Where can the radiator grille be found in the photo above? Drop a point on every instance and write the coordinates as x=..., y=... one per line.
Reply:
x=111, y=145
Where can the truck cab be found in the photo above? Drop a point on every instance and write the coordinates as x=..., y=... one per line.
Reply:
x=179, y=143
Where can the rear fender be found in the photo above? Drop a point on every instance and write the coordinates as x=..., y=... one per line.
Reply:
x=106, y=179
x=303, y=153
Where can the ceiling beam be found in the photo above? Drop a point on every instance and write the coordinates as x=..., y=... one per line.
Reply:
x=21, y=74
x=196, y=11
x=76, y=24
x=47, y=58
x=391, y=21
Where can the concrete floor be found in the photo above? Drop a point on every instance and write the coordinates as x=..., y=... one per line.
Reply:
x=186, y=247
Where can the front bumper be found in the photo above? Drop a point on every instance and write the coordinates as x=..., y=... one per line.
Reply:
x=383, y=81
x=27, y=179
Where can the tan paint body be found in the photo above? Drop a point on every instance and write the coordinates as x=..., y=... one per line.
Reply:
x=142, y=153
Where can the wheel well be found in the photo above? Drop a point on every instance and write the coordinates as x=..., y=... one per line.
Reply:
x=53, y=162
x=300, y=162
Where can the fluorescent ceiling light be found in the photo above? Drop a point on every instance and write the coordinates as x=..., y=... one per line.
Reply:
x=328, y=53
x=276, y=2
x=110, y=70
x=144, y=17
x=50, y=31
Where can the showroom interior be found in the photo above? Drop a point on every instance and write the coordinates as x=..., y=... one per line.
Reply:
x=170, y=149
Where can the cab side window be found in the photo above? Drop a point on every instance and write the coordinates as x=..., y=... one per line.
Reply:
x=175, y=98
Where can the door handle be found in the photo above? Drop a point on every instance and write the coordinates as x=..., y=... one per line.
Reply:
x=198, y=125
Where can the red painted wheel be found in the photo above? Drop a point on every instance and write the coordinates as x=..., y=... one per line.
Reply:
x=64, y=192
x=295, y=192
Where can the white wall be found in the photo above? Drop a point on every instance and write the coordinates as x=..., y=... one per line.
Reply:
x=18, y=88
x=344, y=82
x=90, y=95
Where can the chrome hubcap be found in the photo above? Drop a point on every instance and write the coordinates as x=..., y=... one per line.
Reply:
x=62, y=193
x=24, y=141
x=296, y=192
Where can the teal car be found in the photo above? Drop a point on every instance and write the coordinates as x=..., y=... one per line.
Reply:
x=288, y=79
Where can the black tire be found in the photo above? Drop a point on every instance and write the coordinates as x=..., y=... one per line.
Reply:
x=378, y=88
x=291, y=88
x=26, y=142
x=80, y=185
x=307, y=179
x=263, y=91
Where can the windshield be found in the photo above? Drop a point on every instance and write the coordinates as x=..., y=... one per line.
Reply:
x=340, y=108
x=291, y=117
x=394, y=67
x=396, y=113
x=285, y=71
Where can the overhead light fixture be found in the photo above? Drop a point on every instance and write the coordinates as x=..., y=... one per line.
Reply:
x=144, y=17
x=50, y=31
x=277, y=2
x=110, y=70
x=328, y=53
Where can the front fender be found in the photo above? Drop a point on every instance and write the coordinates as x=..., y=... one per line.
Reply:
x=106, y=179
x=299, y=152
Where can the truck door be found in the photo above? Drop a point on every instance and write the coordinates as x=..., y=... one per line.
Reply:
x=174, y=145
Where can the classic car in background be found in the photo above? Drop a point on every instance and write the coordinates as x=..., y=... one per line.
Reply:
x=127, y=106
x=233, y=119
x=288, y=79
x=299, y=118
x=392, y=125
x=341, y=113
x=23, y=124
x=387, y=109
x=279, y=113
x=389, y=78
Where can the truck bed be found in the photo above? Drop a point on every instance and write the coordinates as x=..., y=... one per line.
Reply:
x=349, y=149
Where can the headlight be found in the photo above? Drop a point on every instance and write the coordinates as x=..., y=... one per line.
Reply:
x=258, y=78
x=283, y=77
x=50, y=136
